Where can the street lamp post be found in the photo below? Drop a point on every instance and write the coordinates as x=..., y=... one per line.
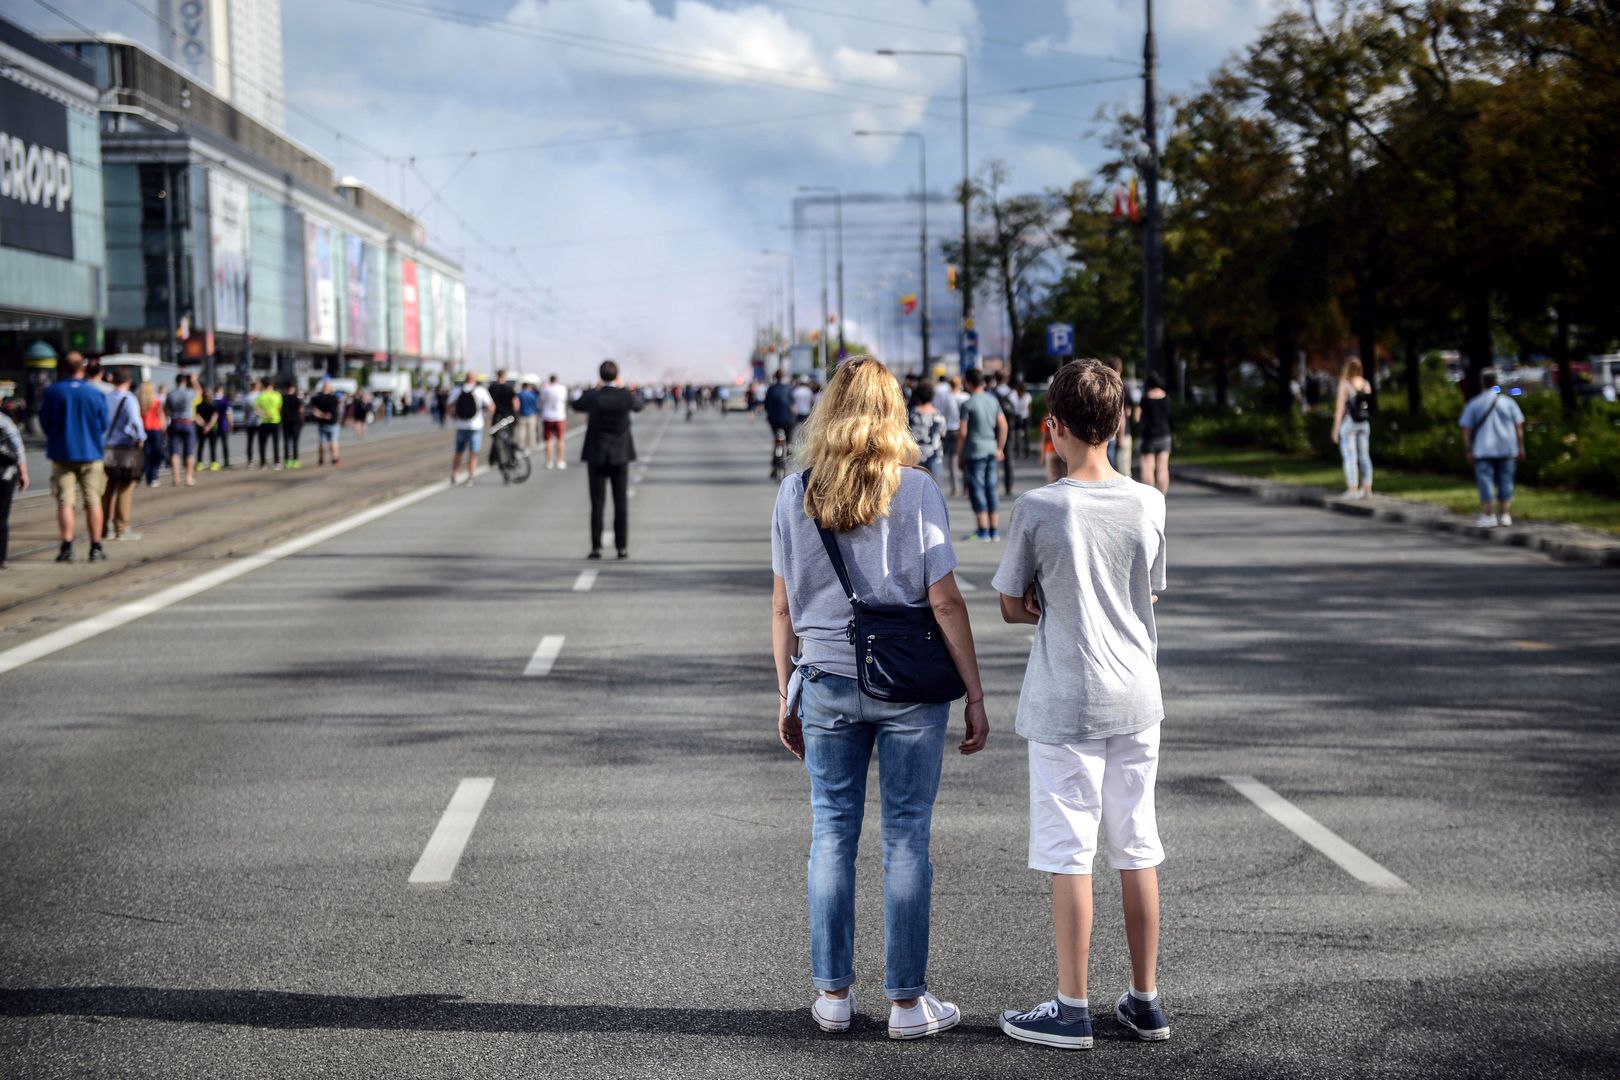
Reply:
x=791, y=335
x=922, y=202
x=966, y=284
x=838, y=196
x=1153, y=232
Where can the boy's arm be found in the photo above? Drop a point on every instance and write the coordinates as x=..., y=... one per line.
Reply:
x=1018, y=609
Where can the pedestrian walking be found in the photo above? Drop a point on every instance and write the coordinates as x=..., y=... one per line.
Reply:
x=1091, y=706
x=219, y=440
x=983, y=443
x=554, y=422
x=122, y=459
x=360, y=412
x=859, y=522
x=180, y=405
x=1154, y=421
x=250, y=421
x=529, y=416
x=505, y=397
x=927, y=427
x=441, y=404
x=946, y=405
x=267, y=406
x=74, y=416
x=207, y=414
x=292, y=423
x=1493, y=435
x=472, y=407
x=1023, y=402
x=326, y=408
x=609, y=449
x=13, y=478
x=150, y=398
x=1352, y=429
x=804, y=399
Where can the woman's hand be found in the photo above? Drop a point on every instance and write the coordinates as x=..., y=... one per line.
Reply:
x=978, y=727
x=790, y=730
x=1335, y=436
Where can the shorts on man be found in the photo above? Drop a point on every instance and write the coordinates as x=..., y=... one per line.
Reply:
x=85, y=479
x=329, y=433
x=553, y=429
x=469, y=441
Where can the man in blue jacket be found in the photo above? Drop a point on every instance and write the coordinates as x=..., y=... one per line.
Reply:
x=74, y=416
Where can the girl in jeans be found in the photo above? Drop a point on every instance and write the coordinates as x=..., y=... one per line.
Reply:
x=891, y=527
x=1352, y=429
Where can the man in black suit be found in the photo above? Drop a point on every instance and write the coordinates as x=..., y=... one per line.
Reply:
x=609, y=450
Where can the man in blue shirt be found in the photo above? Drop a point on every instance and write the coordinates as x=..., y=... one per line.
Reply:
x=528, y=415
x=1493, y=434
x=74, y=415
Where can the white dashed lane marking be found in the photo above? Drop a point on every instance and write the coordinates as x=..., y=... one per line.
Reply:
x=545, y=655
x=586, y=579
x=443, y=852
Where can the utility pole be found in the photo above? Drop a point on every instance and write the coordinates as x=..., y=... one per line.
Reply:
x=822, y=333
x=1153, y=233
x=838, y=199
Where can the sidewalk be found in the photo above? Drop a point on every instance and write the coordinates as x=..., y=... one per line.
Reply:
x=1568, y=543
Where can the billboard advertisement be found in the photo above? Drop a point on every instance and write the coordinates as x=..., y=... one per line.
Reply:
x=458, y=322
x=440, y=344
x=359, y=331
x=36, y=173
x=228, y=244
x=411, y=307
x=320, y=289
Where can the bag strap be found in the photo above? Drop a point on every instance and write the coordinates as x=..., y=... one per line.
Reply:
x=830, y=542
x=1486, y=415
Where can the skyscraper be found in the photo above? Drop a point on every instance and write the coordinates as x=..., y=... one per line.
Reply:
x=233, y=47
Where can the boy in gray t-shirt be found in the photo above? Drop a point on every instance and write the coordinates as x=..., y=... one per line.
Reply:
x=1084, y=564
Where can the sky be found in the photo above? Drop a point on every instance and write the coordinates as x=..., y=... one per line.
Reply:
x=634, y=158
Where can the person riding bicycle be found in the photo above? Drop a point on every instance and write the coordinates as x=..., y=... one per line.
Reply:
x=780, y=414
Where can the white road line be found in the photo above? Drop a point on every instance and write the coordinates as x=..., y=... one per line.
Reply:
x=586, y=579
x=545, y=655
x=1319, y=836
x=85, y=629
x=438, y=862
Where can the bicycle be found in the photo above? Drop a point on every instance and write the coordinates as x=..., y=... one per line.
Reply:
x=780, y=451
x=503, y=454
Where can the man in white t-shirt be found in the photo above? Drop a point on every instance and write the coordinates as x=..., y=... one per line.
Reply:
x=804, y=399
x=472, y=407
x=554, y=421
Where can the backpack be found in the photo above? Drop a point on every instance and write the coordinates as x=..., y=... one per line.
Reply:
x=466, y=405
x=1359, y=408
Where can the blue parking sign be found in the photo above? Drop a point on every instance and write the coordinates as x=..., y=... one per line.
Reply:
x=1059, y=340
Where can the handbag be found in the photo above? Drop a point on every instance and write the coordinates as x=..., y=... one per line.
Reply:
x=900, y=653
x=121, y=462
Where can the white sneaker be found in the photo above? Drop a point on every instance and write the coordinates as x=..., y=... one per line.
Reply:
x=562, y=464
x=833, y=1014
x=550, y=465
x=1350, y=493
x=1485, y=521
x=1504, y=519
x=929, y=1016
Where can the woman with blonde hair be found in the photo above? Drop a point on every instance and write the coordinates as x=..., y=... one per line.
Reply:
x=1352, y=429
x=863, y=530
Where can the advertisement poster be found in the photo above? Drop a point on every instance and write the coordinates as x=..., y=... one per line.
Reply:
x=228, y=243
x=320, y=288
x=36, y=174
x=440, y=346
x=411, y=307
x=357, y=310
x=458, y=322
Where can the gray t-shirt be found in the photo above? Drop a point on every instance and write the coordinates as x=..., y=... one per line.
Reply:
x=979, y=418
x=891, y=561
x=180, y=402
x=1096, y=551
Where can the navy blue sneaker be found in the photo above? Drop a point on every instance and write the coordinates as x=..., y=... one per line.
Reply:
x=1042, y=1025
x=1146, y=1018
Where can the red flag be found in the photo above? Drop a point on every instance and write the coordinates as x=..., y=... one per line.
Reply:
x=908, y=303
x=1136, y=213
x=1119, y=200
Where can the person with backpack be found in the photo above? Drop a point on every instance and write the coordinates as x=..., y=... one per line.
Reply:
x=471, y=406
x=1493, y=434
x=927, y=427
x=1352, y=429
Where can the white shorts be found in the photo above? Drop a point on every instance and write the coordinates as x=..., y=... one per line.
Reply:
x=1076, y=787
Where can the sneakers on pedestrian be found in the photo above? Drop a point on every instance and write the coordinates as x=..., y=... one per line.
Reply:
x=65, y=553
x=1044, y=1025
x=596, y=553
x=213, y=466
x=929, y=1016
x=833, y=1014
x=1145, y=1018
x=562, y=464
x=1485, y=521
x=550, y=465
x=98, y=553
x=1504, y=519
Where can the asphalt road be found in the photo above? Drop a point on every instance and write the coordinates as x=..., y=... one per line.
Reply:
x=210, y=815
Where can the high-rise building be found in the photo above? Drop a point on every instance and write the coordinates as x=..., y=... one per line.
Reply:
x=233, y=47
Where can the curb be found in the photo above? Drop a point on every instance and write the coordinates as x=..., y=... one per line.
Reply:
x=1567, y=543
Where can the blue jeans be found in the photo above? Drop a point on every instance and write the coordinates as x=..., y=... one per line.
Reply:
x=841, y=726
x=980, y=474
x=469, y=441
x=1495, y=472
x=1353, y=450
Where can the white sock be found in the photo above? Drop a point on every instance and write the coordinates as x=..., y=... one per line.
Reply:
x=1074, y=1003
x=1139, y=996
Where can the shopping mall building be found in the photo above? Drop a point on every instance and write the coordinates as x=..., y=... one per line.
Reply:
x=201, y=237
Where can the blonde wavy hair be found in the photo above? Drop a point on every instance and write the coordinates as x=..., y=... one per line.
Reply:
x=856, y=441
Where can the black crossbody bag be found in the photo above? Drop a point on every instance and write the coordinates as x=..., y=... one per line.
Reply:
x=900, y=653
